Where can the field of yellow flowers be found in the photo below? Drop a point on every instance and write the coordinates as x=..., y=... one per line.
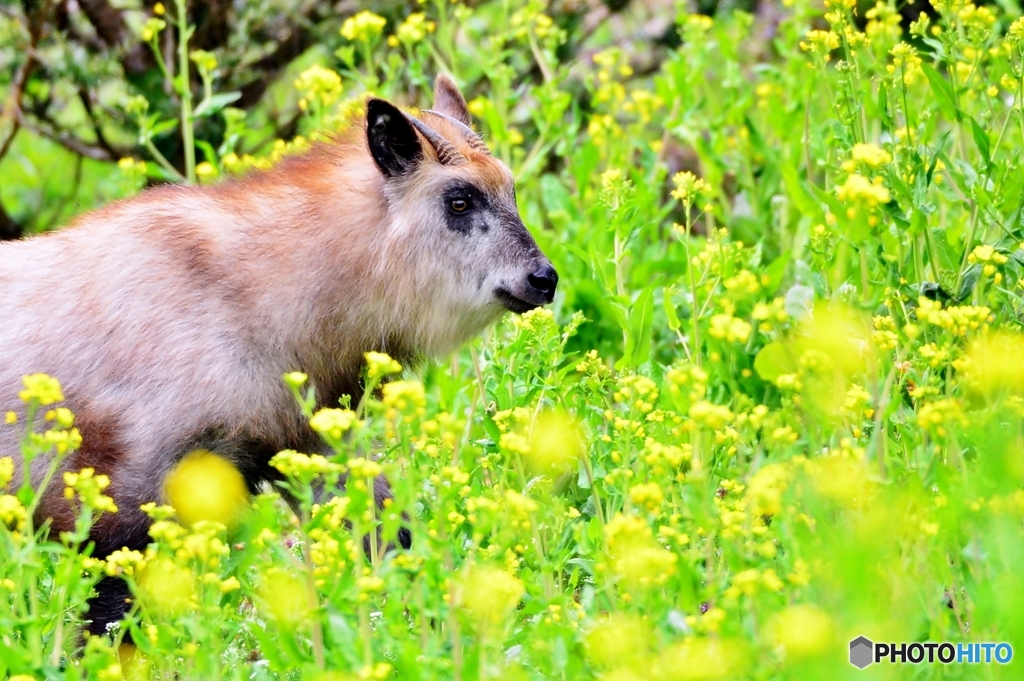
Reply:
x=778, y=404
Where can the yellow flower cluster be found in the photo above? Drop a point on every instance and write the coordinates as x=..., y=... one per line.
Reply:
x=318, y=85
x=765, y=489
x=748, y=582
x=6, y=471
x=379, y=364
x=331, y=550
x=12, y=513
x=364, y=26
x=332, y=424
x=989, y=259
x=89, y=488
x=711, y=416
x=487, y=595
x=40, y=388
x=132, y=167
x=406, y=398
x=647, y=496
x=411, y=31
x=239, y=165
x=870, y=155
x=957, y=319
x=861, y=191
x=938, y=416
x=906, y=61
x=304, y=467
x=689, y=187
x=820, y=43
x=728, y=328
x=634, y=557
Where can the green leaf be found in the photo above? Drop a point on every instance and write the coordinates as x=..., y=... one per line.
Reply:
x=982, y=141
x=638, y=338
x=803, y=201
x=943, y=92
x=215, y=103
x=670, y=309
x=774, y=360
x=776, y=271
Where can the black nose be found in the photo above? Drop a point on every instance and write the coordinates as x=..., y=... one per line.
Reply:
x=544, y=281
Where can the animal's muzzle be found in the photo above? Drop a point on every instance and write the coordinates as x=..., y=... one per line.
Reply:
x=542, y=282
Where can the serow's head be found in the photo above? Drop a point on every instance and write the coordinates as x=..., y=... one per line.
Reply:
x=453, y=217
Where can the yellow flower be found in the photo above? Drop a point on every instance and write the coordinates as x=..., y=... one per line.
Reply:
x=304, y=467
x=619, y=640
x=89, y=487
x=870, y=154
x=488, y=595
x=714, y=416
x=380, y=364
x=414, y=29
x=860, y=190
x=615, y=186
x=332, y=424
x=983, y=253
x=204, y=486
x=124, y=561
x=729, y=328
x=12, y=513
x=319, y=85
x=6, y=471
x=41, y=388
x=765, y=488
x=364, y=468
x=647, y=495
x=553, y=446
x=820, y=43
x=206, y=171
x=689, y=187
x=364, y=26
x=407, y=397
x=167, y=588
x=205, y=61
x=282, y=596
x=906, y=61
x=633, y=554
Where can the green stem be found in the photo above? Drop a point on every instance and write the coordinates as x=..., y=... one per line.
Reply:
x=695, y=345
x=185, y=92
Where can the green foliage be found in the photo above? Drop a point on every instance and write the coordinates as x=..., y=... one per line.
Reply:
x=778, y=404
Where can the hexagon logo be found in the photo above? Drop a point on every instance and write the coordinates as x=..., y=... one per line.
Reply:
x=861, y=652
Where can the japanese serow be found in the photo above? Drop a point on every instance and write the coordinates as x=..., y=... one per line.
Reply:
x=170, y=318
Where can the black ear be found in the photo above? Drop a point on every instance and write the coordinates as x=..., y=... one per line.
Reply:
x=448, y=100
x=393, y=142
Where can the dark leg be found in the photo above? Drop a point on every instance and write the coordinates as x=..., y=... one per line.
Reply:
x=108, y=606
x=128, y=528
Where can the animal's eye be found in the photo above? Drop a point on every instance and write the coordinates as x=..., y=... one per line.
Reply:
x=459, y=205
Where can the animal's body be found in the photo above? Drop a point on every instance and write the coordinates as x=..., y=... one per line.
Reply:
x=170, y=318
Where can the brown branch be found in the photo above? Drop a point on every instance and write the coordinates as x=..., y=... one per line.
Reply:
x=101, y=139
x=45, y=128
